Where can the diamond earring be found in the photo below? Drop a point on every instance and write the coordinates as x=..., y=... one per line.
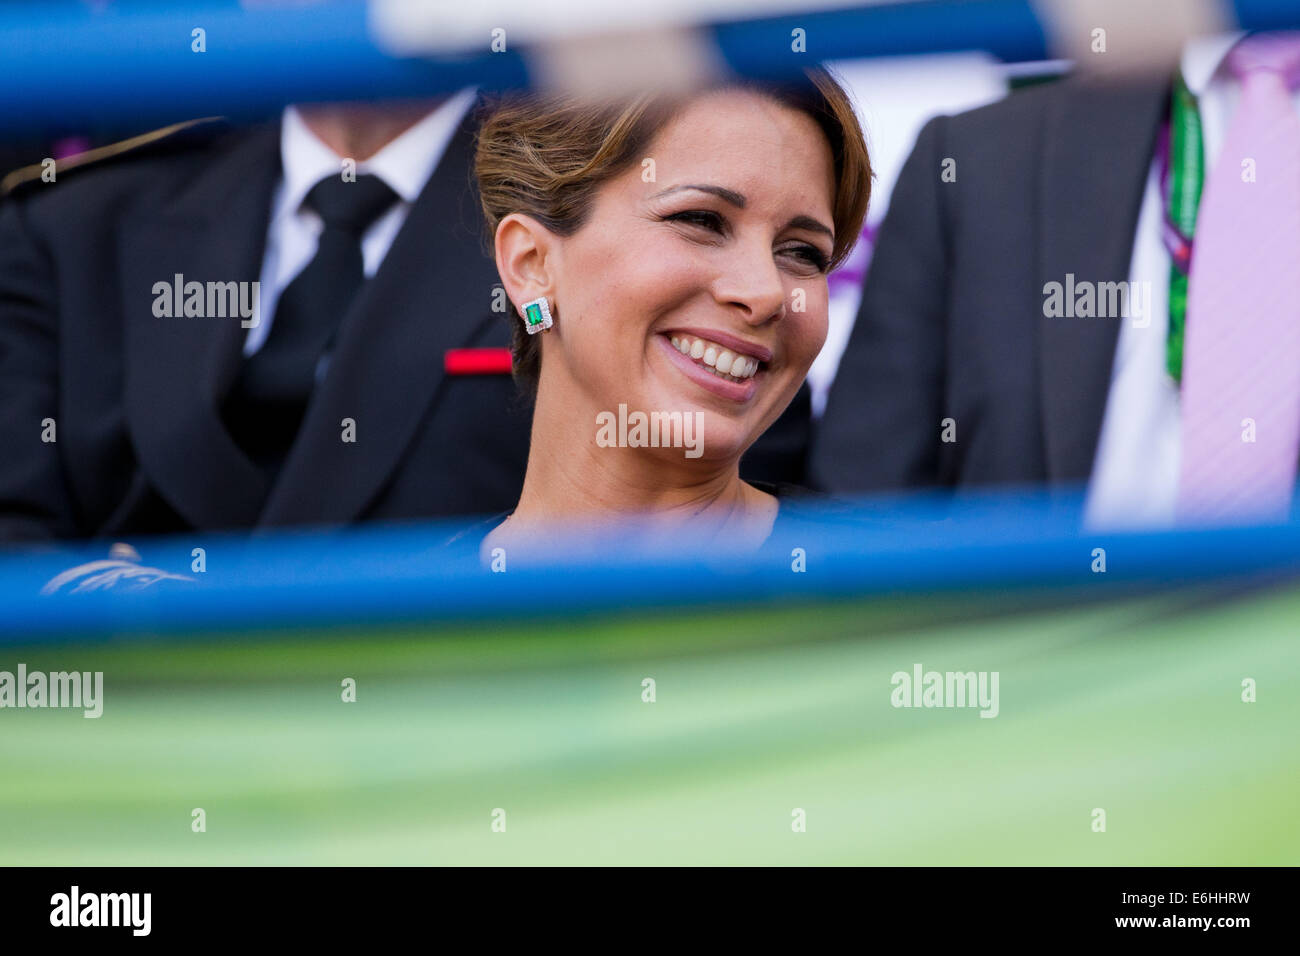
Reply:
x=537, y=315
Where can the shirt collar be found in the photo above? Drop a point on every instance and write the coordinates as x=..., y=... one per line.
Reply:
x=1203, y=59
x=405, y=164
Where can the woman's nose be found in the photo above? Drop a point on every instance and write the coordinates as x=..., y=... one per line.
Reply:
x=753, y=283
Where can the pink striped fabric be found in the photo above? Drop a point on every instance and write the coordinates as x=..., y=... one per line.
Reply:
x=1241, y=365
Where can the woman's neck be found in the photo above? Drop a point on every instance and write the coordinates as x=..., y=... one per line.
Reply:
x=573, y=481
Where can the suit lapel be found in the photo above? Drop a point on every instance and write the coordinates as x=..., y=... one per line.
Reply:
x=1099, y=141
x=178, y=368
x=432, y=292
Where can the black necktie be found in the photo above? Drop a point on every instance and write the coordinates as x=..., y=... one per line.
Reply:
x=269, y=399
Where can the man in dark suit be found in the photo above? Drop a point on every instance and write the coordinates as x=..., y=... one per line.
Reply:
x=1047, y=182
x=962, y=369
x=370, y=382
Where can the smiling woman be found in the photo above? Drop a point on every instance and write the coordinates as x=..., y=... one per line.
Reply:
x=681, y=245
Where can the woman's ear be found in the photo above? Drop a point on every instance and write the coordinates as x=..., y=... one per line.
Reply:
x=525, y=258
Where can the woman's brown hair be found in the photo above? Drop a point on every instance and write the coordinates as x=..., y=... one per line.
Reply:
x=546, y=157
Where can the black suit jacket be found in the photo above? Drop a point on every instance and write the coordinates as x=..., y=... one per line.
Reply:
x=1048, y=182
x=136, y=399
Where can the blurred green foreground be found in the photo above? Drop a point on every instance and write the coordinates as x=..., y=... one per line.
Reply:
x=1133, y=707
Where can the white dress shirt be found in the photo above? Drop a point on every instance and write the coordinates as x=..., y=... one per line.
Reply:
x=1135, y=474
x=404, y=165
x=894, y=97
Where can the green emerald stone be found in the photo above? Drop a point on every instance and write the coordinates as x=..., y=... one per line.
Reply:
x=534, y=314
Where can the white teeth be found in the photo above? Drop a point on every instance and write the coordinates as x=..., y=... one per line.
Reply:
x=722, y=362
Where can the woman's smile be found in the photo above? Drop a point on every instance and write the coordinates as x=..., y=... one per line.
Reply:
x=717, y=362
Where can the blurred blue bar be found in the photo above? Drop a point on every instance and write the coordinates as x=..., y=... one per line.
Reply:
x=1266, y=14
x=132, y=63
x=71, y=67
x=1007, y=29
x=900, y=546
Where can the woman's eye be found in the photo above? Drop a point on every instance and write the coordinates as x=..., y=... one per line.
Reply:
x=699, y=217
x=811, y=255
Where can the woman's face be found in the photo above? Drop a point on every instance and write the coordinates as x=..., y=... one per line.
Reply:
x=723, y=252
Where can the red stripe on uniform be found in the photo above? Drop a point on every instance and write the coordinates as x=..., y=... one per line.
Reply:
x=477, y=362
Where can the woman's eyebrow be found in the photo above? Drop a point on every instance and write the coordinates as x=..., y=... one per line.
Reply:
x=808, y=222
x=737, y=200
x=730, y=195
